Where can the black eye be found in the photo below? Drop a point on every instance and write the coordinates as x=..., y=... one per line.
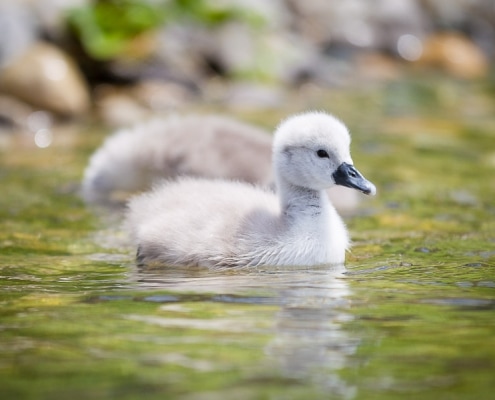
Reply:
x=322, y=154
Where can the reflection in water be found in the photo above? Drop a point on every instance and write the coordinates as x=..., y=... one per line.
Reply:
x=309, y=342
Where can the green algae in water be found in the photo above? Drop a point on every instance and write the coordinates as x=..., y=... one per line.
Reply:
x=412, y=317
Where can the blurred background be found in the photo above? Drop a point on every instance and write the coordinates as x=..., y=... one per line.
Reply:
x=415, y=83
x=119, y=61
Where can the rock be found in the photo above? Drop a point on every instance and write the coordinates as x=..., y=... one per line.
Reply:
x=475, y=17
x=374, y=66
x=127, y=105
x=258, y=47
x=371, y=25
x=45, y=77
x=117, y=108
x=160, y=96
x=19, y=30
x=51, y=15
x=13, y=113
x=393, y=19
x=253, y=96
x=454, y=53
x=180, y=51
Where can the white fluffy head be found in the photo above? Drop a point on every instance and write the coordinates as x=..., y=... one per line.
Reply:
x=308, y=148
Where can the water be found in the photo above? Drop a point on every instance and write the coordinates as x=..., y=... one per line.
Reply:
x=411, y=316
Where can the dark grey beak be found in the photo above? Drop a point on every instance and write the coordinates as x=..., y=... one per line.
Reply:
x=347, y=175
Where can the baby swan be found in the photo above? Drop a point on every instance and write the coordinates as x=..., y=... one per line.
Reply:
x=216, y=223
x=208, y=146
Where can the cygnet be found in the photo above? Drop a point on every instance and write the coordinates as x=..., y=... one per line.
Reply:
x=210, y=146
x=220, y=223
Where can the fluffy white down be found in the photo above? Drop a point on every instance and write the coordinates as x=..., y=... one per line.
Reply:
x=219, y=223
x=216, y=223
x=211, y=146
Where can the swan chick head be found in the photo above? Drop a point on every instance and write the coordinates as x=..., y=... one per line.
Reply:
x=312, y=150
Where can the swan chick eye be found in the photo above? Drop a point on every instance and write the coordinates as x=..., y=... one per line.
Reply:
x=322, y=154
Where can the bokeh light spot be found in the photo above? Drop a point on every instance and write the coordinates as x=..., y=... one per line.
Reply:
x=43, y=138
x=409, y=47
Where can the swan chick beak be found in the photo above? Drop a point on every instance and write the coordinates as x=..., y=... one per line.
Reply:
x=347, y=175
